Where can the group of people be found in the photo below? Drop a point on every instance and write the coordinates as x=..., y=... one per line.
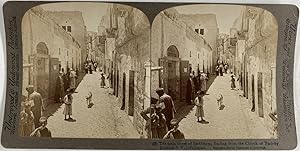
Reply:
x=161, y=123
x=32, y=121
x=195, y=84
x=90, y=66
x=64, y=82
x=221, y=68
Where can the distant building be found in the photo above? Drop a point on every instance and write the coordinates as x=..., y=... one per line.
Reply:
x=206, y=26
x=180, y=51
x=257, y=34
x=127, y=51
x=73, y=23
x=47, y=48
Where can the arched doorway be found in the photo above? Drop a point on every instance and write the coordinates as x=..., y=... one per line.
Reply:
x=41, y=67
x=173, y=72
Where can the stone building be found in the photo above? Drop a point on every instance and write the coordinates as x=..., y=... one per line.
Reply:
x=180, y=51
x=46, y=48
x=206, y=26
x=223, y=46
x=256, y=59
x=73, y=23
x=93, y=44
x=128, y=49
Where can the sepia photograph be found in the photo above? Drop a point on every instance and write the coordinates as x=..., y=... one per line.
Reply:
x=213, y=73
x=84, y=70
x=102, y=70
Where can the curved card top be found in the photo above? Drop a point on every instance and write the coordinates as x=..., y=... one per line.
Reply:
x=90, y=70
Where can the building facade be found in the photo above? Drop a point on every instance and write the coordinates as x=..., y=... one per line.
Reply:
x=180, y=51
x=206, y=26
x=47, y=48
x=127, y=51
x=72, y=22
x=256, y=62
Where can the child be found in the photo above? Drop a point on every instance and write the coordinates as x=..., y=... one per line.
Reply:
x=68, y=100
x=42, y=131
x=220, y=102
x=199, y=104
x=89, y=99
x=26, y=120
x=232, y=82
x=174, y=133
x=102, y=84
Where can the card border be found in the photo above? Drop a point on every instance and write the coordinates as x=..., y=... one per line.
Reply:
x=284, y=85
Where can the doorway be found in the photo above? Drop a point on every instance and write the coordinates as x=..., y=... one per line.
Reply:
x=260, y=95
x=124, y=92
x=172, y=79
x=171, y=65
x=253, y=93
x=131, y=93
x=247, y=83
x=41, y=65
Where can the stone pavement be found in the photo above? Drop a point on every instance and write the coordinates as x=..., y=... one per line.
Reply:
x=103, y=120
x=236, y=121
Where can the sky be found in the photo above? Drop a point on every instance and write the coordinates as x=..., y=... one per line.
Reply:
x=92, y=12
x=226, y=14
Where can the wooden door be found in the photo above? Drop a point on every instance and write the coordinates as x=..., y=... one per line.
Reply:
x=54, y=72
x=172, y=80
x=184, y=76
x=253, y=92
x=163, y=75
x=260, y=95
x=41, y=74
x=131, y=93
x=247, y=83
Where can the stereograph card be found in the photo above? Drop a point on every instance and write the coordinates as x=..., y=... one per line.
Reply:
x=141, y=75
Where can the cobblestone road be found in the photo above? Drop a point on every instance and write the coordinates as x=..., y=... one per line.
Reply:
x=103, y=120
x=234, y=122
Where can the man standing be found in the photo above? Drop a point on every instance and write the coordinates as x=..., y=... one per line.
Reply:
x=189, y=90
x=167, y=104
x=72, y=78
x=59, y=90
x=37, y=104
x=203, y=79
x=66, y=78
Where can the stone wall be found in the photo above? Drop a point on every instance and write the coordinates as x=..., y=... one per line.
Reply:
x=260, y=51
x=172, y=31
x=78, y=29
x=39, y=28
x=132, y=53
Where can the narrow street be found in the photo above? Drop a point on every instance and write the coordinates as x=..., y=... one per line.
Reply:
x=103, y=120
x=235, y=121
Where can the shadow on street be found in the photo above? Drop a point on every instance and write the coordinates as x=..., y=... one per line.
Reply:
x=53, y=107
x=183, y=109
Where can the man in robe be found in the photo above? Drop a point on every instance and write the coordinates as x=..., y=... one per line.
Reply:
x=167, y=105
x=37, y=104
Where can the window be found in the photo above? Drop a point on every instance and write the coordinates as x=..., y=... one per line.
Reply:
x=190, y=54
x=58, y=51
x=69, y=29
x=197, y=31
x=202, y=31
